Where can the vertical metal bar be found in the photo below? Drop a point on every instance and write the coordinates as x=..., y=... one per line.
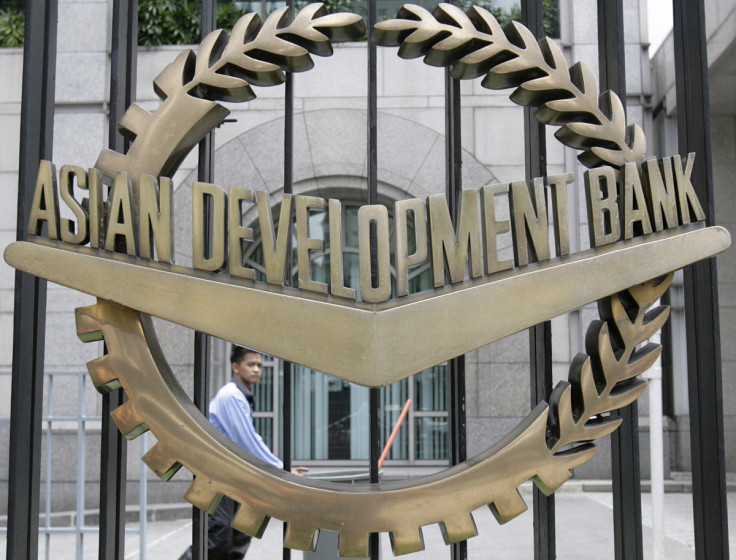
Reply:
x=202, y=342
x=113, y=469
x=624, y=441
x=456, y=366
x=202, y=347
x=374, y=404
x=49, y=455
x=287, y=422
x=540, y=336
x=701, y=292
x=81, y=464
x=143, y=500
x=29, y=317
x=112, y=482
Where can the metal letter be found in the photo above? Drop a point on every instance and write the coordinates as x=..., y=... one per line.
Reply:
x=662, y=195
x=529, y=219
x=404, y=260
x=216, y=261
x=71, y=233
x=275, y=245
x=121, y=220
x=45, y=206
x=633, y=195
x=494, y=228
x=558, y=188
x=305, y=244
x=455, y=248
x=382, y=291
x=96, y=209
x=686, y=195
x=603, y=222
x=155, y=218
x=337, y=276
x=238, y=232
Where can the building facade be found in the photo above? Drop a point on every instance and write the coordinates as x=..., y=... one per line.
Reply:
x=330, y=162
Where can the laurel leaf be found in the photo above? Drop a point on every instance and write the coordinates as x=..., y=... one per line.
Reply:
x=245, y=29
x=477, y=63
x=553, y=53
x=581, y=134
x=517, y=64
x=340, y=27
x=175, y=75
x=452, y=42
x=624, y=395
x=485, y=21
x=644, y=358
x=601, y=427
x=521, y=37
x=391, y=33
x=583, y=78
x=449, y=14
x=209, y=51
x=638, y=142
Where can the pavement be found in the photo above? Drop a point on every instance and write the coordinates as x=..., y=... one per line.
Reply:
x=584, y=531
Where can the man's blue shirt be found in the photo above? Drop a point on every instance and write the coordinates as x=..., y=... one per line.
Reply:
x=232, y=414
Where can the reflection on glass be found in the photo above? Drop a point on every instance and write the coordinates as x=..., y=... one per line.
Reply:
x=263, y=391
x=430, y=392
x=264, y=426
x=431, y=437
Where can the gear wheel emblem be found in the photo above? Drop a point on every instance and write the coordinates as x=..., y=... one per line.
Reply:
x=554, y=438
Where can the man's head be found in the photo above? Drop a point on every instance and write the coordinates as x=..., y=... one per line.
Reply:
x=246, y=365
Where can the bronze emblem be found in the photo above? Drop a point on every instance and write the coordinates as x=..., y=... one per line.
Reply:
x=644, y=220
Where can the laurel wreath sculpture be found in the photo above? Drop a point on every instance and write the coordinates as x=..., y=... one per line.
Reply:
x=474, y=43
x=547, y=444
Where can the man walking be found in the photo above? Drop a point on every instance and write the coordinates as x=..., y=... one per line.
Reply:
x=231, y=412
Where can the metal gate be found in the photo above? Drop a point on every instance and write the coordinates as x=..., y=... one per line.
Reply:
x=708, y=464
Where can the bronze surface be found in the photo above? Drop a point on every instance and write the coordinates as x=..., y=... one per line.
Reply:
x=371, y=345
x=186, y=438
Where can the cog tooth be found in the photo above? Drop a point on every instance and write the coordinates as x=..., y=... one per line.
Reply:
x=103, y=374
x=354, y=544
x=508, y=506
x=127, y=420
x=251, y=520
x=89, y=327
x=407, y=540
x=300, y=536
x=459, y=529
x=202, y=494
x=160, y=463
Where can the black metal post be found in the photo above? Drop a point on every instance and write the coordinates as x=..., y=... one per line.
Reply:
x=540, y=336
x=113, y=454
x=202, y=341
x=624, y=441
x=374, y=404
x=456, y=366
x=701, y=292
x=287, y=409
x=29, y=317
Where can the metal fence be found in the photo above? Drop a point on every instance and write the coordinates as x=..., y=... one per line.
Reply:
x=80, y=522
x=701, y=291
